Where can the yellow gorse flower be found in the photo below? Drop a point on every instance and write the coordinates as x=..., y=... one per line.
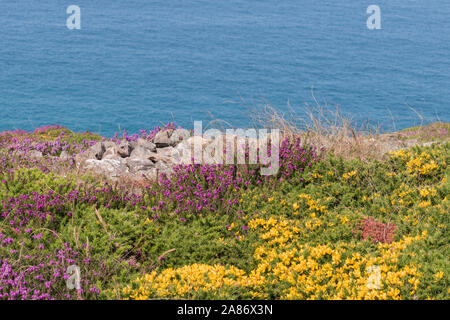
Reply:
x=306, y=271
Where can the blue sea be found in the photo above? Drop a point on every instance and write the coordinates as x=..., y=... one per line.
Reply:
x=140, y=63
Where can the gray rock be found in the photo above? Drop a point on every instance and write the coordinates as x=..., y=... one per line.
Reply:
x=34, y=154
x=198, y=140
x=178, y=135
x=183, y=153
x=112, y=152
x=162, y=138
x=163, y=167
x=144, y=143
x=141, y=153
x=110, y=168
x=151, y=174
x=64, y=155
x=98, y=150
x=109, y=144
x=154, y=157
x=213, y=152
x=81, y=157
x=169, y=155
x=124, y=149
x=429, y=144
x=134, y=165
x=165, y=152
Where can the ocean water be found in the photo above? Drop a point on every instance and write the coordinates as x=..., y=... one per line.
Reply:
x=141, y=63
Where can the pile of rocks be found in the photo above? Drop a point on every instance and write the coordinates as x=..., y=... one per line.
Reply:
x=140, y=159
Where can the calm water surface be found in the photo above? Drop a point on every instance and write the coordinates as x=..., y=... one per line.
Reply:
x=138, y=64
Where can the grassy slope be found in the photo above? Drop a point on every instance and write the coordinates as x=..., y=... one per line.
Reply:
x=300, y=242
x=296, y=240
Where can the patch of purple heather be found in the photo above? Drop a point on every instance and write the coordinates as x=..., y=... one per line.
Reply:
x=42, y=276
x=18, y=211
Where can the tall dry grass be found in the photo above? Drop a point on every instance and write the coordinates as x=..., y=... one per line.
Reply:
x=329, y=129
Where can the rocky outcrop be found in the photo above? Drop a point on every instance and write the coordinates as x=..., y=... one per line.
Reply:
x=147, y=159
x=137, y=160
x=170, y=137
x=111, y=168
x=34, y=155
x=141, y=142
x=144, y=159
x=124, y=149
x=162, y=138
